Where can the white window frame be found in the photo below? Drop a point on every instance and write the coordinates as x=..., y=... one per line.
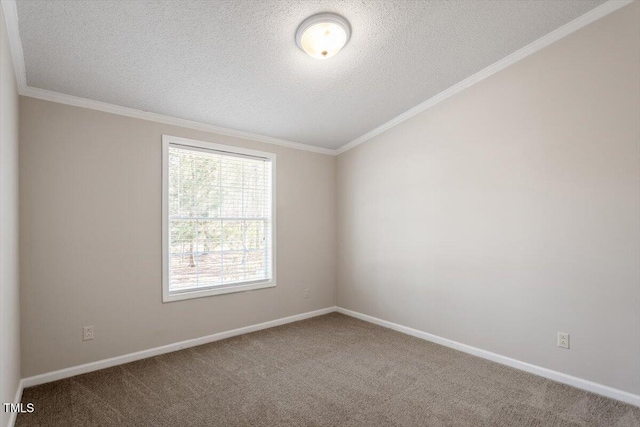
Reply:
x=167, y=295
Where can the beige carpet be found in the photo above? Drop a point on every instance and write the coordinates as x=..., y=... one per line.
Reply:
x=332, y=370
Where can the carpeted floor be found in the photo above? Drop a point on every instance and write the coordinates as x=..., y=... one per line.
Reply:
x=331, y=370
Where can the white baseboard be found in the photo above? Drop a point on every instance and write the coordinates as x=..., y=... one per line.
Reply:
x=583, y=384
x=13, y=416
x=131, y=357
x=593, y=387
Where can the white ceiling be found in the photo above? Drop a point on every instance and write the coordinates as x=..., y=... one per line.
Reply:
x=235, y=63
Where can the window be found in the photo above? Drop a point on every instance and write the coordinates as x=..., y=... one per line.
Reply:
x=217, y=219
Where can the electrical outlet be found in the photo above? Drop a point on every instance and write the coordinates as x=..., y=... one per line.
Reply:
x=306, y=293
x=87, y=333
x=563, y=340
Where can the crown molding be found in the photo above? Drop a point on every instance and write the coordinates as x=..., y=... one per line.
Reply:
x=586, y=19
x=61, y=98
x=10, y=11
x=11, y=18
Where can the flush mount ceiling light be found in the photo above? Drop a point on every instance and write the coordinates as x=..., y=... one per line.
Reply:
x=323, y=35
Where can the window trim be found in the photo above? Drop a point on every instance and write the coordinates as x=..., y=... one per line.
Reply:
x=167, y=295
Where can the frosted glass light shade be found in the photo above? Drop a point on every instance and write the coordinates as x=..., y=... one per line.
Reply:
x=323, y=35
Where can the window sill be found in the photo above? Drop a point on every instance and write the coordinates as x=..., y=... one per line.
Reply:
x=179, y=296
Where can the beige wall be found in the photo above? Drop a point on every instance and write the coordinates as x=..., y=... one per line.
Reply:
x=9, y=283
x=497, y=218
x=511, y=211
x=91, y=239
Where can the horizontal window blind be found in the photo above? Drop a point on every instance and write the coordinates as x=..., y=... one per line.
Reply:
x=219, y=218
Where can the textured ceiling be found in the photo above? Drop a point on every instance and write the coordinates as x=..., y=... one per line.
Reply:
x=235, y=63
